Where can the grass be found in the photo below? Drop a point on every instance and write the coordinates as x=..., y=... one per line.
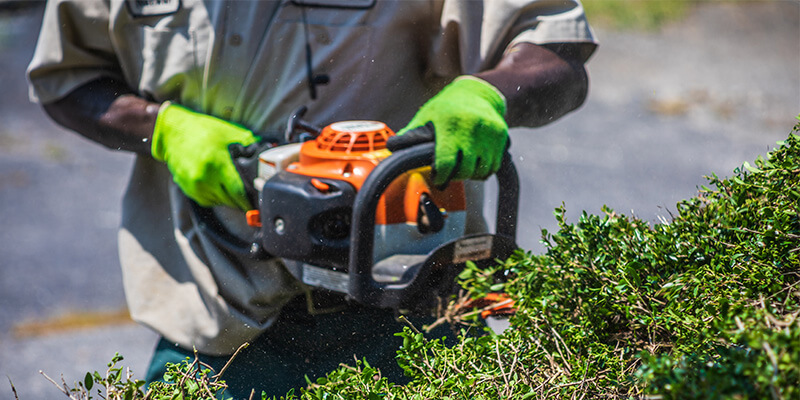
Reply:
x=635, y=14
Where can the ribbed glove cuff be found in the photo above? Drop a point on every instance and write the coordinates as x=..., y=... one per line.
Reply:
x=485, y=89
x=163, y=124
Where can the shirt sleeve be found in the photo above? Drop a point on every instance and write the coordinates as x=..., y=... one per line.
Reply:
x=74, y=47
x=480, y=31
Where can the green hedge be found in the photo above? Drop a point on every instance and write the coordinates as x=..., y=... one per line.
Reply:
x=702, y=306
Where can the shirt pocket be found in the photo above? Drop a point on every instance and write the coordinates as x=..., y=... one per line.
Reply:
x=171, y=63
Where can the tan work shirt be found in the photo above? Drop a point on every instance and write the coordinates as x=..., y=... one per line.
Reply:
x=245, y=61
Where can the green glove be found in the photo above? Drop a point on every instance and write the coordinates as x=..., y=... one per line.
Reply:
x=195, y=148
x=471, y=133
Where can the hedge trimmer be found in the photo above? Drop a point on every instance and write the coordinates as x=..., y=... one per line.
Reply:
x=347, y=215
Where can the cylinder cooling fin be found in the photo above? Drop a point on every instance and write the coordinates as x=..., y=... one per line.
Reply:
x=353, y=137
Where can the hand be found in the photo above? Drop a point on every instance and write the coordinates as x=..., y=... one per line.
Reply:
x=195, y=148
x=470, y=131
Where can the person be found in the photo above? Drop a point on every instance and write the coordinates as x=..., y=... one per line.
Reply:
x=177, y=81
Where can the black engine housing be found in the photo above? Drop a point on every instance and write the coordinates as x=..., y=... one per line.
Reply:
x=303, y=223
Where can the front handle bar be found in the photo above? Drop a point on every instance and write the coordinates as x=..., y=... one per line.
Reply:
x=362, y=286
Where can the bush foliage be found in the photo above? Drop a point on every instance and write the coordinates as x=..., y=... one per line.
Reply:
x=704, y=305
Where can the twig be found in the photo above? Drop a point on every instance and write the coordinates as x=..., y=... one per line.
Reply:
x=566, y=366
x=207, y=366
x=774, y=360
x=500, y=361
x=62, y=389
x=546, y=381
x=204, y=385
x=405, y=320
x=582, y=381
x=230, y=360
x=438, y=322
x=558, y=337
x=188, y=371
x=553, y=364
x=13, y=389
x=516, y=358
x=787, y=287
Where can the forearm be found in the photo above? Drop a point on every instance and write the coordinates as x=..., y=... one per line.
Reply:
x=540, y=83
x=107, y=112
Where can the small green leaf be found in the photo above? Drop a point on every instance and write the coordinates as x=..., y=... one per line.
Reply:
x=751, y=168
x=88, y=381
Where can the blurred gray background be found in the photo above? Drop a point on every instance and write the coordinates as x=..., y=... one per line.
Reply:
x=666, y=107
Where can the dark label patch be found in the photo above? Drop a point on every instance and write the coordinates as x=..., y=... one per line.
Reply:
x=149, y=8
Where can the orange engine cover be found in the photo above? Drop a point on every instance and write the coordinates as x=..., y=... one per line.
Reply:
x=350, y=150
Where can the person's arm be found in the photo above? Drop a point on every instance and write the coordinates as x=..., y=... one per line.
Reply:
x=107, y=112
x=540, y=83
x=194, y=146
x=532, y=85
